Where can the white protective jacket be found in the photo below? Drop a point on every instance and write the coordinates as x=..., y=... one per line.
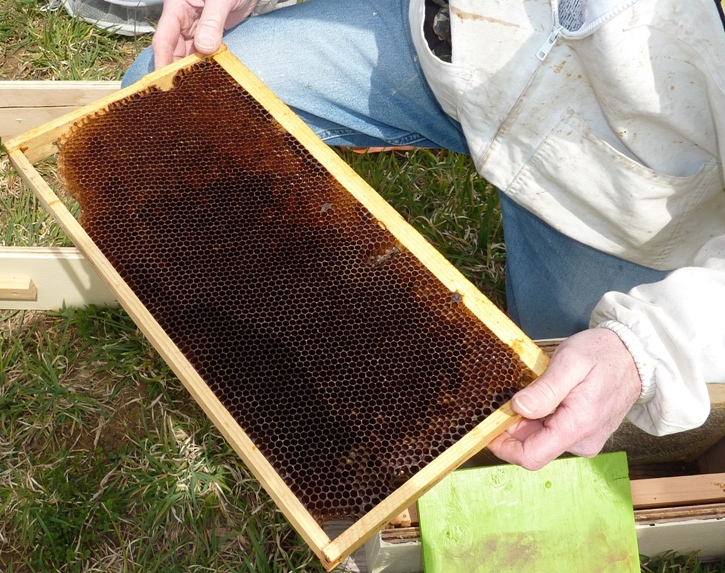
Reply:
x=613, y=134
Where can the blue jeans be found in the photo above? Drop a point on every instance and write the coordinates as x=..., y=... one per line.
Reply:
x=349, y=70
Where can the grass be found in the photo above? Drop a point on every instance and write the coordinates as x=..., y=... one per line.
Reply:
x=23, y=221
x=106, y=463
x=39, y=44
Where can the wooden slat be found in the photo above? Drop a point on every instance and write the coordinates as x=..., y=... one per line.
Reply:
x=17, y=289
x=25, y=105
x=674, y=491
x=682, y=513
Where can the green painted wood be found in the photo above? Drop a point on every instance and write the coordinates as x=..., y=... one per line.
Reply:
x=575, y=515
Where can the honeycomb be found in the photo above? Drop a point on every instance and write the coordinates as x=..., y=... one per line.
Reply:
x=343, y=358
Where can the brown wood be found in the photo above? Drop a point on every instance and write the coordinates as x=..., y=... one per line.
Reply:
x=674, y=491
x=403, y=519
x=25, y=105
x=679, y=514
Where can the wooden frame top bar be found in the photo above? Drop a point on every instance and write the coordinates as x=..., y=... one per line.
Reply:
x=41, y=142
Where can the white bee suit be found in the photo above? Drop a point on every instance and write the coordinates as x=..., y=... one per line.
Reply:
x=611, y=133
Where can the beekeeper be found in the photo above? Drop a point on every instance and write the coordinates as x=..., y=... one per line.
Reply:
x=601, y=123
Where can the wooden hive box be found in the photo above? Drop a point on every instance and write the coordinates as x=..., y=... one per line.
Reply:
x=186, y=249
x=677, y=484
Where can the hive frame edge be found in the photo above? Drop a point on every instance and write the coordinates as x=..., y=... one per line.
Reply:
x=41, y=142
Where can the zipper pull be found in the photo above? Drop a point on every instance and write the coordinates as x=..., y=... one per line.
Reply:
x=549, y=44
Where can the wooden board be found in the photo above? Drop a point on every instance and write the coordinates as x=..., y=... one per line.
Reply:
x=706, y=537
x=61, y=276
x=573, y=515
x=41, y=142
x=25, y=105
x=674, y=491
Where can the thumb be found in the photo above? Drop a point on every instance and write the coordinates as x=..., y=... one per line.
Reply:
x=209, y=30
x=543, y=396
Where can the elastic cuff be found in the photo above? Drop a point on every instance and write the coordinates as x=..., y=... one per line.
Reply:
x=642, y=360
x=264, y=6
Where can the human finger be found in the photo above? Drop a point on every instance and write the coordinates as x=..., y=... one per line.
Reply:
x=531, y=445
x=210, y=28
x=543, y=396
x=173, y=38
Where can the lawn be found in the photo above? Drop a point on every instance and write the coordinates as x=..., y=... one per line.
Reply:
x=106, y=463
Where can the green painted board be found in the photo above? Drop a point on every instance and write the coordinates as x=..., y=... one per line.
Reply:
x=575, y=515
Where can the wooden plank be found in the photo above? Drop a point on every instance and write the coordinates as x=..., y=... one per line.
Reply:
x=679, y=514
x=25, y=105
x=575, y=514
x=674, y=491
x=17, y=289
x=61, y=275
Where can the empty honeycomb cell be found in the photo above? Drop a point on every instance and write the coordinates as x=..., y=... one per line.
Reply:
x=343, y=358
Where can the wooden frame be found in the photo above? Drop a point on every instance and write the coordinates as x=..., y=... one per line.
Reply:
x=30, y=104
x=41, y=143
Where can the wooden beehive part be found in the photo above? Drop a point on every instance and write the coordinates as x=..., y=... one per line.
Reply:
x=307, y=313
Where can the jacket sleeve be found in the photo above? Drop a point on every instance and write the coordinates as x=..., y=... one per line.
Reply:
x=675, y=330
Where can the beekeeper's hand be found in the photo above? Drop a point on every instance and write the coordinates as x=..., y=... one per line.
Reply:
x=188, y=26
x=585, y=393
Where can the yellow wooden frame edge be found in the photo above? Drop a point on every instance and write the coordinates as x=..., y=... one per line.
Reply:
x=40, y=143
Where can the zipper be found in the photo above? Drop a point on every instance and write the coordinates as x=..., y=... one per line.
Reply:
x=558, y=30
x=550, y=41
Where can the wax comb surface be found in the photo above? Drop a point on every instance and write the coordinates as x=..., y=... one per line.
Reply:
x=345, y=361
x=298, y=308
